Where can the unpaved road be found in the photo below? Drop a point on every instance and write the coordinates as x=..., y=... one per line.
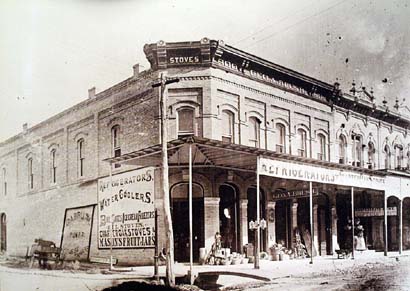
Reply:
x=394, y=275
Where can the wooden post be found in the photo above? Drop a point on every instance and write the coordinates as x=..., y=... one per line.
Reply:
x=400, y=226
x=191, y=278
x=385, y=224
x=257, y=230
x=352, y=213
x=112, y=223
x=170, y=276
x=311, y=219
x=156, y=263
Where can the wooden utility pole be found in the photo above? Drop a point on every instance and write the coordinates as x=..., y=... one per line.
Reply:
x=170, y=276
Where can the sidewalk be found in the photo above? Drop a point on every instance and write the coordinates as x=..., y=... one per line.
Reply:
x=100, y=275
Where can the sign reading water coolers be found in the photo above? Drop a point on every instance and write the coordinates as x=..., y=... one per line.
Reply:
x=287, y=170
x=126, y=211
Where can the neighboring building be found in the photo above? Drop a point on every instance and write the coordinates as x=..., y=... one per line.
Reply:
x=232, y=107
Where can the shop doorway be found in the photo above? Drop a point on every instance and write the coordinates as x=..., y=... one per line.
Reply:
x=228, y=217
x=180, y=219
x=3, y=232
x=393, y=225
x=251, y=195
x=406, y=223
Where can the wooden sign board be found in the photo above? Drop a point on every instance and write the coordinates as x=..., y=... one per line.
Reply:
x=76, y=236
x=373, y=212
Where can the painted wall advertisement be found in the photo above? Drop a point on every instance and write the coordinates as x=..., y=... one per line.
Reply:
x=126, y=211
x=76, y=237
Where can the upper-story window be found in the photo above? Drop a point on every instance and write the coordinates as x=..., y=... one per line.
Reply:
x=4, y=179
x=302, y=142
x=322, y=147
x=227, y=126
x=342, y=149
x=186, y=121
x=357, y=148
x=408, y=158
x=254, y=131
x=280, y=138
x=371, y=150
x=398, y=153
x=80, y=157
x=387, y=157
x=53, y=166
x=30, y=173
x=116, y=142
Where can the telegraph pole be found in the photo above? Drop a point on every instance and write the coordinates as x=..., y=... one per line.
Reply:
x=170, y=276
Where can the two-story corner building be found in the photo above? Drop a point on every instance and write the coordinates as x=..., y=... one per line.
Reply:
x=235, y=111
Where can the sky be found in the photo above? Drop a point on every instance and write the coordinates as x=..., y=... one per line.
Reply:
x=52, y=52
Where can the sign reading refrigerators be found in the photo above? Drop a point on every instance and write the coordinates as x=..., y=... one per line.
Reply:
x=288, y=170
x=126, y=211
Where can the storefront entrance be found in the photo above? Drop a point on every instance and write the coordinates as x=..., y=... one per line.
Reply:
x=180, y=219
x=252, y=216
x=228, y=217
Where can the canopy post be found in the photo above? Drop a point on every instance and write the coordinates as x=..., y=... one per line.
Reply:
x=311, y=219
x=353, y=223
x=400, y=226
x=112, y=222
x=190, y=217
x=385, y=224
x=257, y=230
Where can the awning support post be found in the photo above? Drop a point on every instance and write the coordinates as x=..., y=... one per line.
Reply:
x=311, y=220
x=257, y=230
x=353, y=222
x=400, y=226
x=112, y=222
x=191, y=278
x=385, y=224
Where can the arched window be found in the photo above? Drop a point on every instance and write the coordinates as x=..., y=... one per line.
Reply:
x=4, y=179
x=254, y=132
x=302, y=143
x=387, y=157
x=80, y=157
x=398, y=154
x=342, y=149
x=186, y=123
x=227, y=126
x=53, y=167
x=280, y=138
x=408, y=158
x=116, y=142
x=371, y=150
x=30, y=173
x=357, y=148
x=322, y=147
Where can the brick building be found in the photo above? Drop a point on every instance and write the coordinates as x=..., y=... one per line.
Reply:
x=234, y=109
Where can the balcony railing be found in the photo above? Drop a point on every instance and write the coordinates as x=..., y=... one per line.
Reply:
x=321, y=157
x=280, y=149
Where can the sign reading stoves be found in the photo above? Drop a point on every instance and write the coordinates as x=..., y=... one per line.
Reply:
x=126, y=217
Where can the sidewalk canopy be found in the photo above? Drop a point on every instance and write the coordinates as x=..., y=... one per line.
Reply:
x=213, y=153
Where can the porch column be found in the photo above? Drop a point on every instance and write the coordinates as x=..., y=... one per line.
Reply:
x=400, y=226
x=335, y=245
x=211, y=214
x=243, y=212
x=294, y=221
x=385, y=225
x=316, y=227
x=270, y=210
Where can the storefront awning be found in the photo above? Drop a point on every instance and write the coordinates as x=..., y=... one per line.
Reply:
x=213, y=153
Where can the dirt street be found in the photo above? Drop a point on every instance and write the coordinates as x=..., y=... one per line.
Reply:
x=392, y=275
